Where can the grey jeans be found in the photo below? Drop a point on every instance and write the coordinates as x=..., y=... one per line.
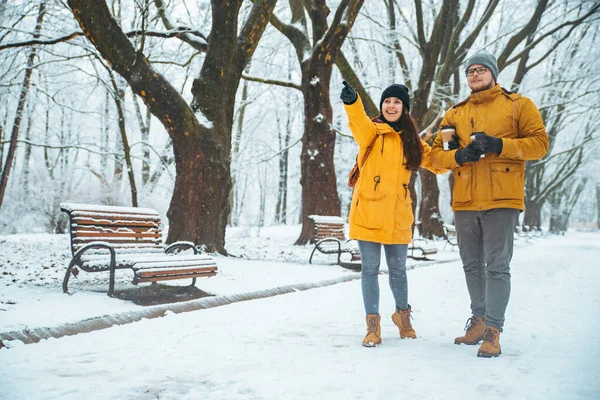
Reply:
x=485, y=241
x=370, y=255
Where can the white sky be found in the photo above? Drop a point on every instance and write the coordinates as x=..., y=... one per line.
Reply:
x=307, y=345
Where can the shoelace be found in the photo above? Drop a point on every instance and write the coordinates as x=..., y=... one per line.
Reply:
x=489, y=335
x=406, y=316
x=470, y=322
x=372, y=325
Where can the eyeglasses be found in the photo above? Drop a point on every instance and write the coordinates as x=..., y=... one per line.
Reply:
x=479, y=70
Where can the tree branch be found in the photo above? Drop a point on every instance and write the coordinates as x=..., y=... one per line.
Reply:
x=176, y=32
x=186, y=36
x=517, y=38
x=271, y=82
x=252, y=31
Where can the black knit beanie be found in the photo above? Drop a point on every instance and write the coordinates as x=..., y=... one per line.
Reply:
x=396, y=90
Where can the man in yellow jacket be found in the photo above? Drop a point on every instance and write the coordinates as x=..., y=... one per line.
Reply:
x=496, y=132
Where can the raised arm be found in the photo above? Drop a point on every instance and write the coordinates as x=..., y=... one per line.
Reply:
x=363, y=129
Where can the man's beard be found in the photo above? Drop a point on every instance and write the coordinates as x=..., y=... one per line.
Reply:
x=488, y=87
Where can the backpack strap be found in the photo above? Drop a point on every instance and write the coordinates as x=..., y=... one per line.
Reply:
x=368, y=151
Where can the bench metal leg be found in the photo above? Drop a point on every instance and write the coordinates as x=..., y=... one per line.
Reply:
x=68, y=274
x=311, y=255
x=111, y=282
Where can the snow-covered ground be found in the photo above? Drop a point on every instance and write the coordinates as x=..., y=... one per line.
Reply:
x=304, y=345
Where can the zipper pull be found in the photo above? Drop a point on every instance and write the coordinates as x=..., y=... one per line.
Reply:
x=377, y=179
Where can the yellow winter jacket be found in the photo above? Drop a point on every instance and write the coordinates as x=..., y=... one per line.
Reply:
x=381, y=208
x=496, y=181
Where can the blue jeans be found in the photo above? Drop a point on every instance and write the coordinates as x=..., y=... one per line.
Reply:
x=370, y=255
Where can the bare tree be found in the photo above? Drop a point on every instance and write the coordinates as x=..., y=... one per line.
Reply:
x=562, y=203
x=316, y=58
x=21, y=105
x=202, y=145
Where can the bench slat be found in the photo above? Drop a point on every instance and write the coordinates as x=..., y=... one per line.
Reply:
x=172, y=263
x=131, y=248
x=101, y=262
x=143, y=273
x=172, y=277
x=116, y=222
x=118, y=235
x=77, y=229
x=120, y=240
x=79, y=207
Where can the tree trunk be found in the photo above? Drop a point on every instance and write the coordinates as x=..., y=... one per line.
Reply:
x=27, y=155
x=119, y=97
x=232, y=220
x=533, y=214
x=145, y=135
x=21, y=105
x=199, y=208
x=318, y=180
x=319, y=188
x=432, y=224
x=284, y=139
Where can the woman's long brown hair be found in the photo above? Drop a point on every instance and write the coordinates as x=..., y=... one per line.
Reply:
x=413, y=149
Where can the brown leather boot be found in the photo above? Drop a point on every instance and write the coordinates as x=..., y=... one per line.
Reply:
x=491, y=343
x=373, y=337
x=474, y=328
x=401, y=319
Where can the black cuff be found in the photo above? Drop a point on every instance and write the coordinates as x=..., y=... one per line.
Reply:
x=498, y=146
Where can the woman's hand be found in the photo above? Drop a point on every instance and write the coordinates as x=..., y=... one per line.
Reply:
x=348, y=94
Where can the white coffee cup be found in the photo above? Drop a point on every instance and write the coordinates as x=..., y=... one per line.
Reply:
x=447, y=133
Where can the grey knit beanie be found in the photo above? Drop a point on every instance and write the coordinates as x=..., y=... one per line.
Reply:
x=487, y=60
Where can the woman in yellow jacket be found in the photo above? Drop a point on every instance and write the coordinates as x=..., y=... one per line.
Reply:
x=381, y=212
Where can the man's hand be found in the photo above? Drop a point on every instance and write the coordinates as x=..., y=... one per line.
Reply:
x=348, y=94
x=453, y=144
x=487, y=144
x=467, y=154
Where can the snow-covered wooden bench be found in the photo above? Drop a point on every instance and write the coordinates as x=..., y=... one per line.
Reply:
x=329, y=238
x=420, y=249
x=107, y=238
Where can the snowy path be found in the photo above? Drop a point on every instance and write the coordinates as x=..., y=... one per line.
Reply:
x=306, y=345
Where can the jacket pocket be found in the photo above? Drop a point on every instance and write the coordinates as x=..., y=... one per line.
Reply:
x=404, y=214
x=507, y=180
x=463, y=185
x=370, y=210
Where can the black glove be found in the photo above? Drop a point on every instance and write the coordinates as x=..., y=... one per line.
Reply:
x=487, y=144
x=467, y=154
x=453, y=144
x=348, y=94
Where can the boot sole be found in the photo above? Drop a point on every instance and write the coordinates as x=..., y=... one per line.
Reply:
x=370, y=344
x=486, y=355
x=469, y=343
